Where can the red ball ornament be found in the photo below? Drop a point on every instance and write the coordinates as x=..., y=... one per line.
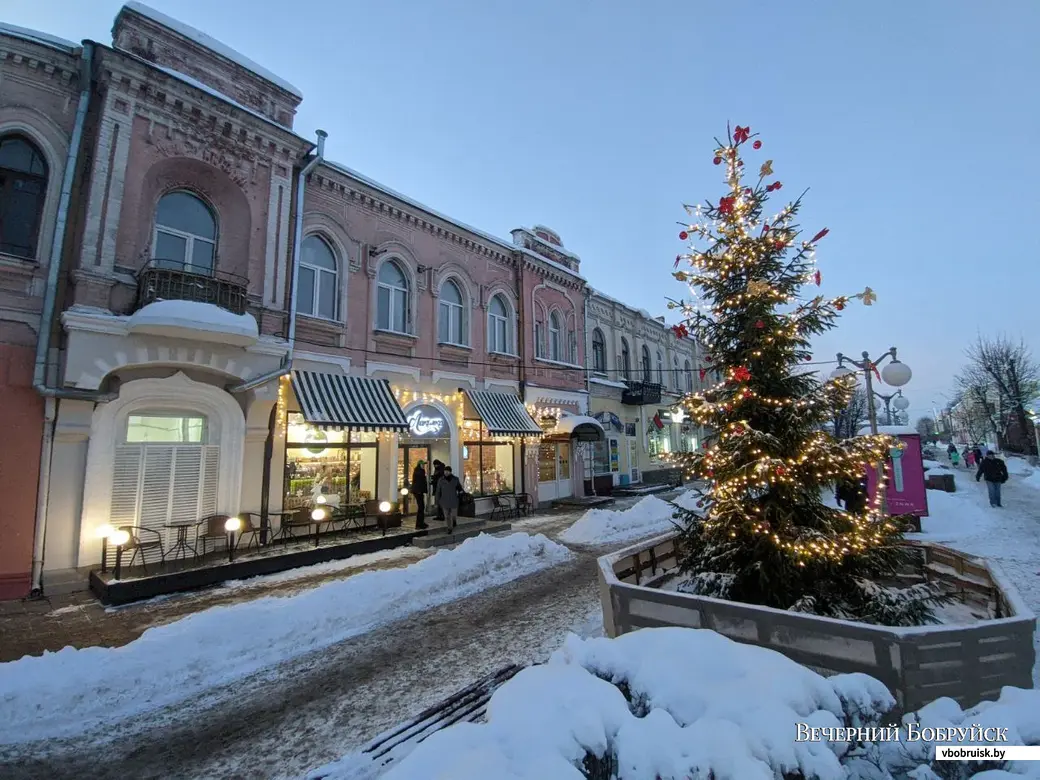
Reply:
x=760, y=324
x=808, y=358
x=780, y=470
x=756, y=145
x=717, y=160
x=839, y=306
x=683, y=235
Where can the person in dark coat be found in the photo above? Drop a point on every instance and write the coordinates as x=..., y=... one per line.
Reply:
x=978, y=455
x=420, y=489
x=435, y=478
x=853, y=494
x=996, y=474
x=447, y=497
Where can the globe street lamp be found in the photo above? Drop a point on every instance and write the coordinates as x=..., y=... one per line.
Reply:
x=896, y=399
x=896, y=374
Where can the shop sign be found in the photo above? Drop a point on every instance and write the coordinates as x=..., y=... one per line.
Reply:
x=426, y=422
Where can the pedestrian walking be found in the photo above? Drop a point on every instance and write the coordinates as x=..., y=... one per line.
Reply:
x=420, y=488
x=853, y=493
x=977, y=452
x=438, y=474
x=969, y=457
x=995, y=471
x=950, y=450
x=447, y=497
x=955, y=458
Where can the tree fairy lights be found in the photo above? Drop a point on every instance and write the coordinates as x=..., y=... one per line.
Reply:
x=762, y=533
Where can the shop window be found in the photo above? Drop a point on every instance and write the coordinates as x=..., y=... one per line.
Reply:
x=165, y=429
x=605, y=457
x=488, y=468
x=23, y=189
x=340, y=466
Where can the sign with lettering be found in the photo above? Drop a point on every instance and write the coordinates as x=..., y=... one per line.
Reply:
x=427, y=422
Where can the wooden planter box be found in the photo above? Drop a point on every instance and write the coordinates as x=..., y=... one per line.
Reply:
x=919, y=664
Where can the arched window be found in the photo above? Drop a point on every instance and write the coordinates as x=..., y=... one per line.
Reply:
x=689, y=377
x=499, y=330
x=318, y=279
x=451, y=328
x=599, y=352
x=648, y=375
x=23, y=189
x=554, y=337
x=676, y=379
x=626, y=360
x=393, y=312
x=660, y=368
x=185, y=233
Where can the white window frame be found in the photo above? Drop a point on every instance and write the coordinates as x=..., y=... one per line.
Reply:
x=190, y=238
x=503, y=347
x=317, y=270
x=689, y=376
x=626, y=360
x=645, y=364
x=660, y=369
x=168, y=414
x=454, y=314
x=391, y=301
x=554, y=337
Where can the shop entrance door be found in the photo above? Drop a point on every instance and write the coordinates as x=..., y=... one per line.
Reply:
x=408, y=455
x=554, y=470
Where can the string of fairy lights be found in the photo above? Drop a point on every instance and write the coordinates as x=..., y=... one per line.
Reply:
x=742, y=271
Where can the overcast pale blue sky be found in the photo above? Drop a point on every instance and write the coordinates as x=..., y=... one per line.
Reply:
x=914, y=123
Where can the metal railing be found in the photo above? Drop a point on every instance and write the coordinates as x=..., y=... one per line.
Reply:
x=641, y=393
x=173, y=280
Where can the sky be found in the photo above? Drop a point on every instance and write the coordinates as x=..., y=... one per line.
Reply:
x=915, y=126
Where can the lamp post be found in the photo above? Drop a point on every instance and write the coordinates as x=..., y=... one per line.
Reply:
x=119, y=538
x=105, y=532
x=231, y=525
x=896, y=374
x=896, y=399
x=384, y=509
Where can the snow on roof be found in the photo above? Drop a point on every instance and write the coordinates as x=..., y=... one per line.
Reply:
x=35, y=36
x=211, y=43
x=552, y=263
x=556, y=247
x=183, y=77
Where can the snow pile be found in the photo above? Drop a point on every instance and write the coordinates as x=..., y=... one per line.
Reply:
x=1018, y=467
x=649, y=516
x=932, y=464
x=74, y=690
x=187, y=318
x=954, y=516
x=674, y=703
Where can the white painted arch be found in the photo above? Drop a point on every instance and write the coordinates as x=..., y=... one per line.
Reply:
x=174, y=393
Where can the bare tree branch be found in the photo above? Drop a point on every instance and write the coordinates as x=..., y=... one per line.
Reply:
x=1000, y=381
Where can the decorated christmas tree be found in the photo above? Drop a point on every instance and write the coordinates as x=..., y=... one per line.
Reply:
x=762, y=533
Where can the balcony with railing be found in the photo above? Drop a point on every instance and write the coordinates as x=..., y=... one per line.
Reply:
x=641, y=393
x=183, y=301
x=172, y=280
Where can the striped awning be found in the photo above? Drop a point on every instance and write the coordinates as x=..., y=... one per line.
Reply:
x=355, y=402
x=503, y=413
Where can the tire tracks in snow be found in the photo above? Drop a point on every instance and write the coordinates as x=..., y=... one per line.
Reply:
x=312, y=710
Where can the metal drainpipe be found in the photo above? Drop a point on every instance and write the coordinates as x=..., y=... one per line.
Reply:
x=301, y=187
x=43, y=342
x=521, y=333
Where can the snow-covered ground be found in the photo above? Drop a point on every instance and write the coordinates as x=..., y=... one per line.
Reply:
x=74, y=690
x=647, y=517
x=1009, y=536
x=697, y=705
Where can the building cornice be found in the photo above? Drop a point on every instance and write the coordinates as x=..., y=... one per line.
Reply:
x=337, y=181
x=161, y=96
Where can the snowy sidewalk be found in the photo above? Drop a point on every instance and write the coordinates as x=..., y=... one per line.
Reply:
x=1009, y=536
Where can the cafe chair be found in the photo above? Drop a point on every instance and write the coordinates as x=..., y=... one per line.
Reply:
x=210, y=528
x=152, y=540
